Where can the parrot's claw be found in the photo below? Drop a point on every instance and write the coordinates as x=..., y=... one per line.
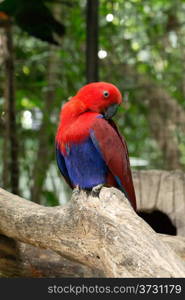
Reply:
x=76, y=191
x=96, y=190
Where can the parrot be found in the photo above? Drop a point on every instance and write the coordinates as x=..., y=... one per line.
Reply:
x=34, y=17
x=90, y=151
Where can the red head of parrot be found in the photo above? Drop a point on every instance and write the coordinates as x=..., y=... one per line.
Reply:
x=97, y=97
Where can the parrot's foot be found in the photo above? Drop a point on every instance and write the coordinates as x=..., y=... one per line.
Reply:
x=76, y=191
x=96, y=190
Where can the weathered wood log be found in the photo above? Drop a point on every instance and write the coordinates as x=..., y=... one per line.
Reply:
x=163, y=191
x=37, y=262
x=177, y=243
x=102, y=233
x=29, y=261
x=18, y=259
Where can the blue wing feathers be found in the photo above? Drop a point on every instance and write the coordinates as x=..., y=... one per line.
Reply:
x=85, y=165
x=62, y=165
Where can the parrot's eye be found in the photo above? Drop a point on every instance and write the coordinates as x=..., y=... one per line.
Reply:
x=106, y=94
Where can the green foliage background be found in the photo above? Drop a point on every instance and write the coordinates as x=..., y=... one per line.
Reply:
x=146, y=36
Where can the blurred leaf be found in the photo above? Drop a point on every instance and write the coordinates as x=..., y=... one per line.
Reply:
x=50, y=198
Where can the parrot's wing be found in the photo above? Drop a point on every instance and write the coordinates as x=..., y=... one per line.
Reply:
x=62, y=166
x=113, y=149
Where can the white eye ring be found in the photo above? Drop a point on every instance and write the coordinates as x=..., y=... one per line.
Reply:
x=106, y=94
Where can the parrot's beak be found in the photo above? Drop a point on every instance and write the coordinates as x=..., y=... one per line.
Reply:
x=111, y=111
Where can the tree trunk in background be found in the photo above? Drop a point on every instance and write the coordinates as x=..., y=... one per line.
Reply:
x=166, y=117
x=92, y=40
x=11, y=165
x=5, y=150
x=4, y=119
x=46, y=150
x=166, y=120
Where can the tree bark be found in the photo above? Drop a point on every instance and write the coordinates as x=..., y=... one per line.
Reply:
x=166, y=120
x=4, y=118
x=163, y=191
x=166, y=117
x=22, y=260
x=45, y=151
x=10, y=133
x=5, y=148
x=92, y=40
x=103, y=233
x=36, y=262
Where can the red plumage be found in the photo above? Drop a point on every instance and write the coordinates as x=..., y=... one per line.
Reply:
x=114, y=149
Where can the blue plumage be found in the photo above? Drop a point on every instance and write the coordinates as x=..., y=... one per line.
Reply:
x=83, y=165
x=61, y=164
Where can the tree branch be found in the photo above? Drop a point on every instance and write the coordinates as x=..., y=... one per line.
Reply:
x=103, y=233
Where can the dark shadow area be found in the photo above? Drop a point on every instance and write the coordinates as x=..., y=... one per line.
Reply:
x=159, y=221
